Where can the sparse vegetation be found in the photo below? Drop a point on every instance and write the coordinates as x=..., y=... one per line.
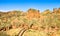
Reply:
x=46, y=23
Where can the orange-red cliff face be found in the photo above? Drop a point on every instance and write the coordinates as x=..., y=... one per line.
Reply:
x=55, y=10
x=32, y=13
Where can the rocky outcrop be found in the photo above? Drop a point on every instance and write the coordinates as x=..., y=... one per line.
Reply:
x=33, y=13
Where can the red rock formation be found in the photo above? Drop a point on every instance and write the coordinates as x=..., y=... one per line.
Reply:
x=32, y=13
x=55, y=10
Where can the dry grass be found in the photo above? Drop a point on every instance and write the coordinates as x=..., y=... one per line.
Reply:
x=13, y=32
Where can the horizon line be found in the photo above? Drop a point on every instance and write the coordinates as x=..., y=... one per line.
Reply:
x=24, y=10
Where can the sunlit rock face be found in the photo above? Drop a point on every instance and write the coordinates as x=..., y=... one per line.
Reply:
x=59, y=10
x=33, y=13
x=55, y=10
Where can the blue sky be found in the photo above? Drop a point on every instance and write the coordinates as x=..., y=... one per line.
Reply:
x=24, y=5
